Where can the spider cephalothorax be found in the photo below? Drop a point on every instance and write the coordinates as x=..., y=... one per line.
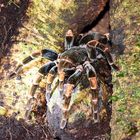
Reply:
x=82, y=57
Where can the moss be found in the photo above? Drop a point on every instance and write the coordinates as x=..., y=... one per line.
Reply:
x=126, y=82
x=127, y=90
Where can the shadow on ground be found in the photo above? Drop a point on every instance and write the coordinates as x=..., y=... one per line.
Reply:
x=12, y=17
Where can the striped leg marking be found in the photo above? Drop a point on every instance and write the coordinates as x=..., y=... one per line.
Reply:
x=46, y=53
x=43, y=71
x=91, y=73
x=61, y=77
x=69, y=40
x=110, y=60
x=50, y=79
x=67, y=94
x=95, y=109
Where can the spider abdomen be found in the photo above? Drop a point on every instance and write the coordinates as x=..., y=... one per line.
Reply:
x=76, y=55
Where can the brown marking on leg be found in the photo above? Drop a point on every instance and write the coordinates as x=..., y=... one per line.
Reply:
x=69, y=33
x=107, y=36
x=93, y=82
x=106, y=49
x=69, y=89
x=61, y=80
x=36, y=54
x=61, y=76
x=95, y=111
x=67, y=96
x=66, y=103
x=92, y=43
x=50, y=78
x=35, y=84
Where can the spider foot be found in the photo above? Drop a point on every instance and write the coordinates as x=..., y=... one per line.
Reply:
x=64, y=119
x=16, y=72
x=103, y=113
x=30, y=105
x=12, y=75
x=48, y=97
x=48, y=93
x=95, y=111
x=63, y=123
x=96, y=117
x=61, y=87
x=116, y=68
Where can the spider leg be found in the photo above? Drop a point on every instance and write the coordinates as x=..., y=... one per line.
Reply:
x=69, y=71
x=95, y=103
x=107, y=36
x=65, y=73
x=61, y=77
x=72, y=80
x=102, y=38
x=77, y=39
x=45, y=53
x=110, y=60
x=91, y=73
x=50, y=78
x=105, y=51
x=49, y=54
x=69, y=40
x=86, y=38
x=43, y=71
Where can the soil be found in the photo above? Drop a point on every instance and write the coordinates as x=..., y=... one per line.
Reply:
x=12, y=16
x=11, y=129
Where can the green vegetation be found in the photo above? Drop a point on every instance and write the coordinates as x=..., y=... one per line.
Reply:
x=126, y=115
x=127, y=91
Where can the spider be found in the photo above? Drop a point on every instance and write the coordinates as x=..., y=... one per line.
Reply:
x=82, y=56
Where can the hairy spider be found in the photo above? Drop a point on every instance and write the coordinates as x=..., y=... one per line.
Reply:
x=82, y=56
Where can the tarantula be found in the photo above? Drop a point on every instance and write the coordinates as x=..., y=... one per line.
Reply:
x=80, y=57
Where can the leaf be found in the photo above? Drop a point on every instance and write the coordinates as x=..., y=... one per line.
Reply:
x=121, y=74
x=114, y=98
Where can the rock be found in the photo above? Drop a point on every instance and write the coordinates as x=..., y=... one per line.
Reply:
x=80, y=124
x=77, y=130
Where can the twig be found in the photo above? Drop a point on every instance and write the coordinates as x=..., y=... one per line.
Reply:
x=44, y=132
x=34, y=33
x=26, y=41
x=28, y=131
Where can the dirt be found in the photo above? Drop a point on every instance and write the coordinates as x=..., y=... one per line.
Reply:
x=11, y=129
